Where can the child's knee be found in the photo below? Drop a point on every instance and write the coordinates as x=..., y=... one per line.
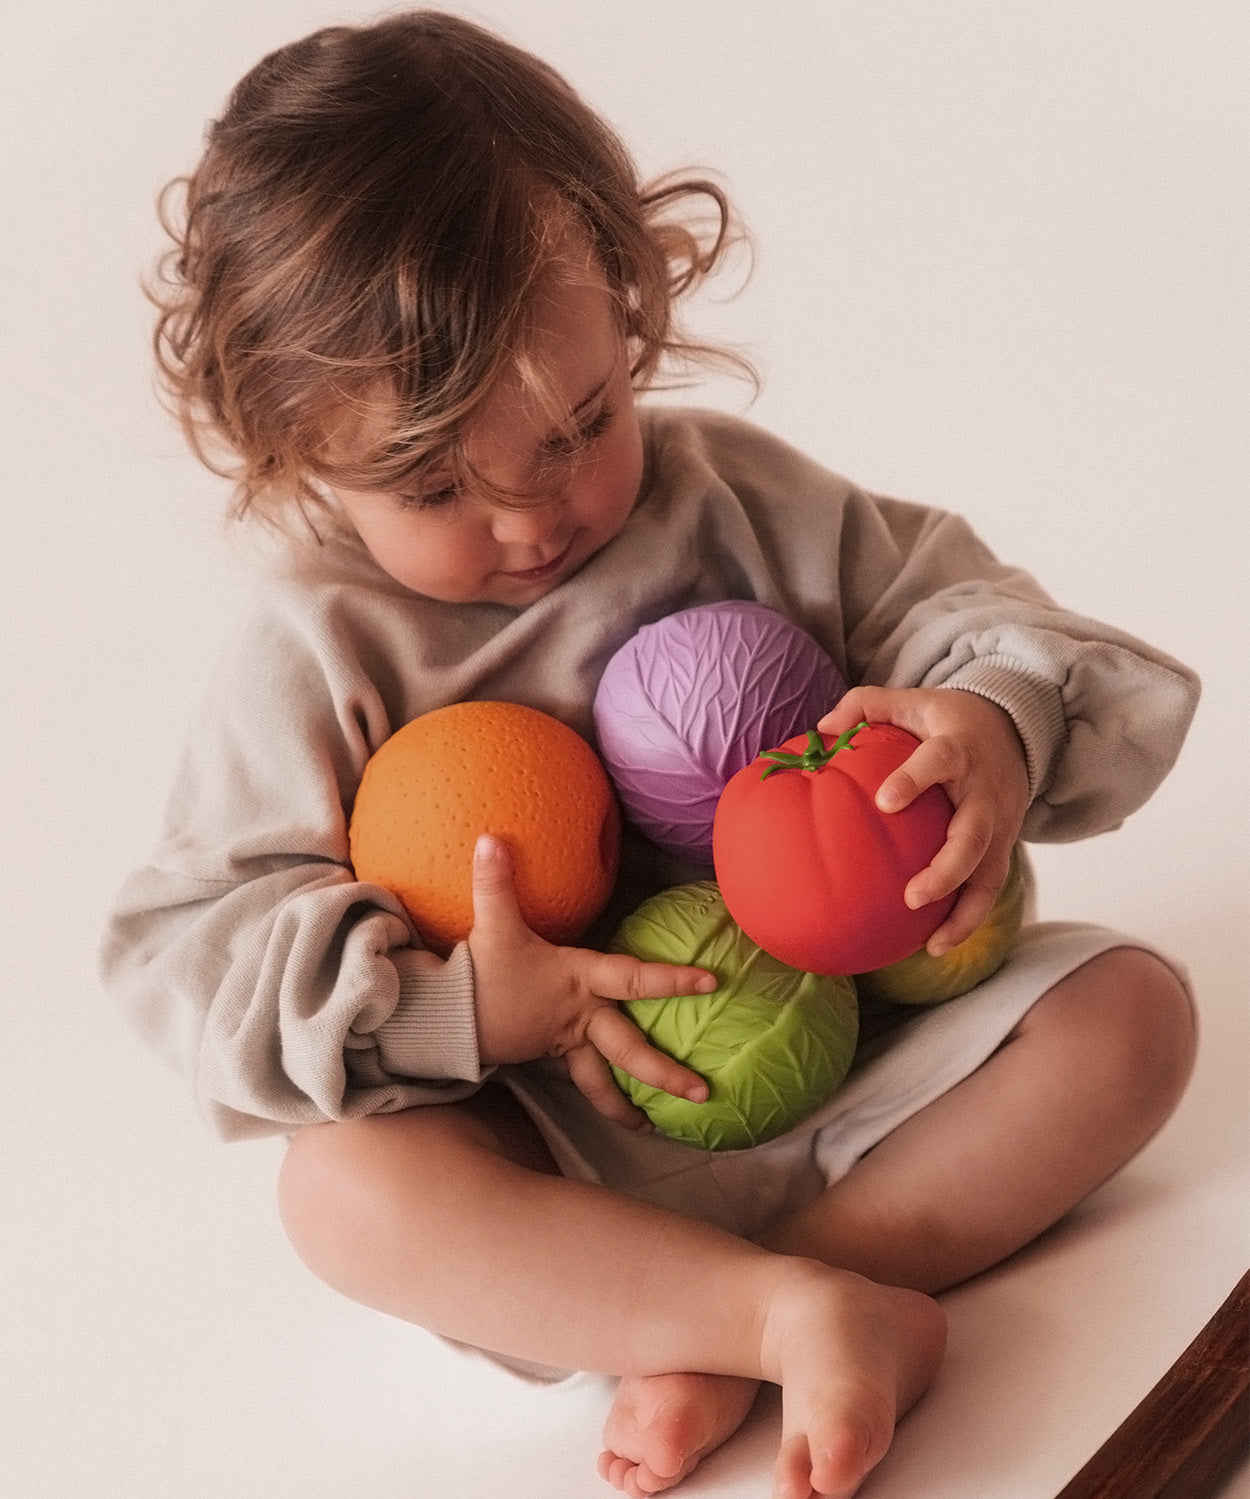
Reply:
x=339, y=1183
x=1165, y=1027
x=1135, y=1017
x=350, y=1193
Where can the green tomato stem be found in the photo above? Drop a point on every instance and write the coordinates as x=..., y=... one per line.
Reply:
x=814, y=757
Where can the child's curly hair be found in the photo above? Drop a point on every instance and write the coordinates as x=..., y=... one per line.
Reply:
x=373, y=209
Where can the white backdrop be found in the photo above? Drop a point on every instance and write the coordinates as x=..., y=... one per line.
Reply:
x=1000, y=267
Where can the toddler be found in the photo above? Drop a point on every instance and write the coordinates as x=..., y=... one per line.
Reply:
x=416, y=295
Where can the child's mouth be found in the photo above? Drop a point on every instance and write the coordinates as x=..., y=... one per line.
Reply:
x=547, y=570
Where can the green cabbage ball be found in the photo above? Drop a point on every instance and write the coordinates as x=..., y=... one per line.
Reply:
x=772, y=1042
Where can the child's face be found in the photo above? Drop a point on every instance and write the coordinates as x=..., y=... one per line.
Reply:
x=465, y=547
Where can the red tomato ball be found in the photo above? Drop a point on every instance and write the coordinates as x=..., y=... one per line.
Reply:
x=809, y=867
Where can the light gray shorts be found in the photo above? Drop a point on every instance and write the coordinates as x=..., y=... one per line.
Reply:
x=893, y=1078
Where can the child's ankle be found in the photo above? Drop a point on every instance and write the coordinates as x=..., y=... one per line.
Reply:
x=801, y=1285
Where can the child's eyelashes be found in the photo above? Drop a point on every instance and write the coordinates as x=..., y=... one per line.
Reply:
x=430, y=499
x=562, y=446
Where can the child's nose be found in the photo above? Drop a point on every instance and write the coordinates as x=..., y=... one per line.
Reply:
x=525, y=525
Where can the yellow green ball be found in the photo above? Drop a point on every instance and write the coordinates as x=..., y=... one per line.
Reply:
x=925, y=980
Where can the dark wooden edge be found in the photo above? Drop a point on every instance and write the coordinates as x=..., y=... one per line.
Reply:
x=1187, y=1432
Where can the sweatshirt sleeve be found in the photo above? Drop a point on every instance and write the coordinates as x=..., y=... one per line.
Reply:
x=245, y=951
x=1101, y=714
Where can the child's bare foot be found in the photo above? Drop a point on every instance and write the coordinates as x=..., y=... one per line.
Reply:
x=850, y=1357
x=661, y=1426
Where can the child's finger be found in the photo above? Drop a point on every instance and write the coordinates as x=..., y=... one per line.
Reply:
x=590, y=1072
x=969, y=836
x=973, y=906
x=934, y=762
x=494, y=892
x=622, y=1043
x=619, y=976
x=970, y=862
x=863, y=704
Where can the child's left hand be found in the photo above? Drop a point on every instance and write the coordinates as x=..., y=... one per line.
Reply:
x=970, y=747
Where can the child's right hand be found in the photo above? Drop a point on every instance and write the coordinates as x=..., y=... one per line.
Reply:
x=536, y=999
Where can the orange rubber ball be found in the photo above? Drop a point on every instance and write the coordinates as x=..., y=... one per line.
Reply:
x=472, y=768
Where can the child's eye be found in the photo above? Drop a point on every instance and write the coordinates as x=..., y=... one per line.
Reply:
x=583, y=436
x=430, y=499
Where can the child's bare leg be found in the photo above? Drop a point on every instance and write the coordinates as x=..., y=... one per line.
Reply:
x=1080, y=1085
x=1085, y=1079
x=445, y=1218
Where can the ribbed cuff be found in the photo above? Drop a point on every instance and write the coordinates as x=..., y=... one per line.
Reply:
x=1035, y=706
x=433, y=1030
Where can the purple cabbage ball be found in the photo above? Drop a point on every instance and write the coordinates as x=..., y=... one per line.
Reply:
x=688, y=701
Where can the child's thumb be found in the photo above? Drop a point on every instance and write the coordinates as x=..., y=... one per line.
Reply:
x=494, y=891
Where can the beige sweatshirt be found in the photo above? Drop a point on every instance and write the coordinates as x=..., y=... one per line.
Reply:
x=286, y=992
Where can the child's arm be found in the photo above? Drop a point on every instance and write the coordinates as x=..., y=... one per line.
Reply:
x=1039, y=722
x=1100, y=715
x=907, y=597
x=286, y=991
